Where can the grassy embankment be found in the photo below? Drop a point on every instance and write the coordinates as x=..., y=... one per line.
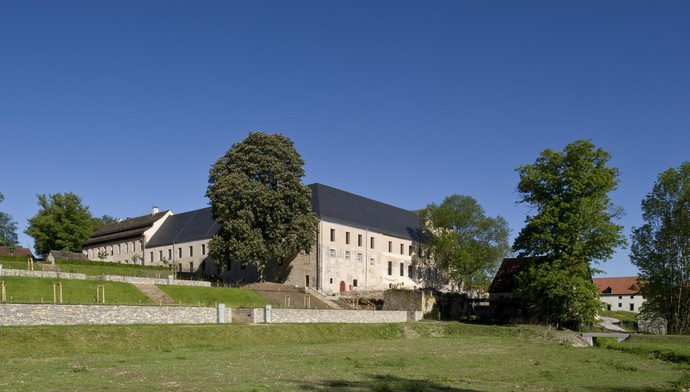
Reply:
x=210, y=296
x=392, y=357
x=97, y=268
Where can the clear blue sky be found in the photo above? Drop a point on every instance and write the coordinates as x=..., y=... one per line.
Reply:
x=128, y=103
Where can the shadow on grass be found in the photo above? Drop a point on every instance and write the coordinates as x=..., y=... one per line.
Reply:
x=382, y=383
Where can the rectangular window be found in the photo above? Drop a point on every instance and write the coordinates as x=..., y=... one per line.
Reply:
x=191, y=267
x=632, y=307
x=347, y=237
x=179, y=253
x=126, y=248
x=632, y=297
x=371, y=243
x=390, y=268
x=359, y=240
x=402, y=269
x=150, y=259
x=347, y=255
x=169, y=254
x=390, y=246
x=191, y=251
x=134, y=246
x=620, y=305
x=111, y=251
x=160, y=255
x=402, y=249
x=620, y=297
x=354, y=282
x=359, y=257
x=203, y=249
x=332, y=235
x=331, y=252
x=409, y=250
x=331, y=280
x=410, y=272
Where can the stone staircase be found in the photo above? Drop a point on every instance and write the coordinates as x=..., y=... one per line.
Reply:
x=155, y=294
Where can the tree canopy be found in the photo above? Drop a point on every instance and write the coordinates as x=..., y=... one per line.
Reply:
x=572, y=229
x=257, y=196
x=661, y=249
x=464, y=243
x=8, y=228
x=63, y=223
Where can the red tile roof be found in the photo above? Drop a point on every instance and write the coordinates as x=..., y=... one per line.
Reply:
x=8, y=251
x=619, y=286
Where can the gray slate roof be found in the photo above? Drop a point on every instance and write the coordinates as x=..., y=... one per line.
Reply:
x=337, y=206
x=128, y=228
x=186, y=227
x=60, y=255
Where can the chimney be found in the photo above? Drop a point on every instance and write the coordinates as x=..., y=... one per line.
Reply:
x=154, y=210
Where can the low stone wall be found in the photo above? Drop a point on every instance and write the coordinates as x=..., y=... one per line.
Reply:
x=109, y=278
x=45, y=314
x=42, y=274
x=51, y=314
x=337, y=316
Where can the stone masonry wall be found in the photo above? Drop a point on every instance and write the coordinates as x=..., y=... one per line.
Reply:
x=110, y=278
x=336, y=316
x=49, y=314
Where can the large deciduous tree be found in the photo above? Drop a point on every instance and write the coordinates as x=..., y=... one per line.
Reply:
x=257, y=196
x=8, y=228
x=63, y=223
x=571, y=230
x=464, y=243
x=661, y=249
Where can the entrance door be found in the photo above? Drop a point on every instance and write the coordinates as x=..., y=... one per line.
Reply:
x=342, y=286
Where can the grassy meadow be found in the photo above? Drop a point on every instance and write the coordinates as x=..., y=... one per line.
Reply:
x=97, y=268
x=41, y=290
x=426, y=356
x=210, y=296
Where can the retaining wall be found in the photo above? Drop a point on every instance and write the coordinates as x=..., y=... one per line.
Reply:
x=52, y=314
x=49, y=314
x=337, y=316
x=110, y=278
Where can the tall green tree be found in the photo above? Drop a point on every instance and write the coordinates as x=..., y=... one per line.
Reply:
x=573, y=229
x=63, y=223
x=463, y=242
x=661, y=249
x=8, y=228
x=257, y=196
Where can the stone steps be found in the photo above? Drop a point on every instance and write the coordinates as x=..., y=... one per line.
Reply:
x=155, y=294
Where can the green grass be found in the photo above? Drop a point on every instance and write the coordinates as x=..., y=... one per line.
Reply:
x=17, y=263
x=629, y=317
x=203, y=296
x=336, y=357
x=40, y=290
x=97, y=268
